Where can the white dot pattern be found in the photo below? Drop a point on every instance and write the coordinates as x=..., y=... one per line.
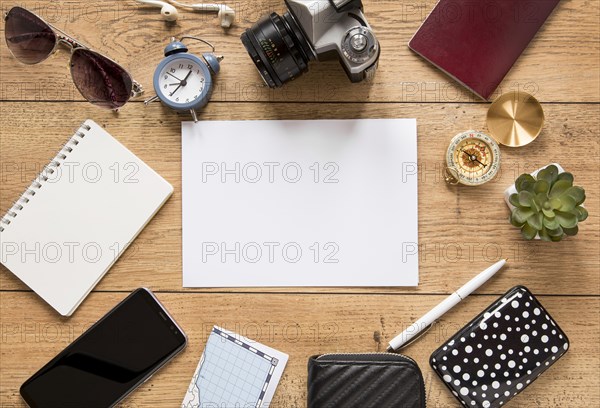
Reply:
x=515, y=324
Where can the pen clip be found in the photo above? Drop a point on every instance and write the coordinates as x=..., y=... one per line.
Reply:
x=417, y=337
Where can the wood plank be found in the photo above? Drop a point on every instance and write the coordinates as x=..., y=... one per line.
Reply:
x=561, y=63
x=32, y=334
x=462, y=230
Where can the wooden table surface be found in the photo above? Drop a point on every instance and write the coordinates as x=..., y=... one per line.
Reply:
x=461, y=230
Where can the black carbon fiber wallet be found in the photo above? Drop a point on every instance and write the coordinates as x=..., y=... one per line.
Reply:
x=375, y=380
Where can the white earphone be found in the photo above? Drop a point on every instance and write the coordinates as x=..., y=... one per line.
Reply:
x=225, y=13
x=168, y=11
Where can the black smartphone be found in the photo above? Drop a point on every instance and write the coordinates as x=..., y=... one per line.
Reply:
x=113, y=357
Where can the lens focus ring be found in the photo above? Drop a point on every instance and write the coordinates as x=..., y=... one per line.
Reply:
x=278, y=48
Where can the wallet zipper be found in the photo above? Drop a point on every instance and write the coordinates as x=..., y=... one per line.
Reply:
x=386, y=353
x=369, y=354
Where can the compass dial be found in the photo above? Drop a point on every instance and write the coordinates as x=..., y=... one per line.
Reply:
x=473, y=158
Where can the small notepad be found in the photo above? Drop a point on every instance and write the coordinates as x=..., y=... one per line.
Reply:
x=234, y=371
x=78, y=216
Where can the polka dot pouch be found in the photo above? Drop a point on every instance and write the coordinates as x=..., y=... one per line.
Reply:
x=500, y=352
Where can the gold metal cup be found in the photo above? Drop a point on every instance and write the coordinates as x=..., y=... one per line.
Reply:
x=515, y=119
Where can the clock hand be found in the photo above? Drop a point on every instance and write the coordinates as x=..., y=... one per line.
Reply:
x=184, y=80
x=182, y=83
x=175, y=90
x=168, y=73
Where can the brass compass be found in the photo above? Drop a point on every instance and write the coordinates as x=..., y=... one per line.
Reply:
x=472, y=159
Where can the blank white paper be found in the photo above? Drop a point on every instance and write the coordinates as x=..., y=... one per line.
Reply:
x=300, y=203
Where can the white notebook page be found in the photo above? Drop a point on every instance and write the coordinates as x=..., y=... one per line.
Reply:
x=81, y=219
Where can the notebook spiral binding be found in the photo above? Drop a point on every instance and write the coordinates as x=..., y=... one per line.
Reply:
x=41, y=178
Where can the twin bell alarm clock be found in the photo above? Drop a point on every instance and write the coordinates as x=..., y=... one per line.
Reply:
x=183, y=81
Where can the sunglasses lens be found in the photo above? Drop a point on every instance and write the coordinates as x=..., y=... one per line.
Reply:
x=29, y=39
x=100, y=80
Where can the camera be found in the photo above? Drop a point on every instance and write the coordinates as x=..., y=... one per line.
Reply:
x=282, y=46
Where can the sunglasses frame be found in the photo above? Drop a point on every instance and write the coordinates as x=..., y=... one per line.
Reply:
x=73, y=44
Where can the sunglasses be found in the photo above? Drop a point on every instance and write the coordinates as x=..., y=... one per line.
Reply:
x=99, y=79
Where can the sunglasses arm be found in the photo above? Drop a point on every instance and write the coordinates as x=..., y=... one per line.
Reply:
x=136, y=89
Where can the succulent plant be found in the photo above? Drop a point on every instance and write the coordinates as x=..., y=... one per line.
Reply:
x=548, y=205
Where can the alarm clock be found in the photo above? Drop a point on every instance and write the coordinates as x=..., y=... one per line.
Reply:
x=183, y=81
x=472, y=159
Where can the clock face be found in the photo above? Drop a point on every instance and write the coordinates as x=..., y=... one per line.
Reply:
x=182, y=81
x=474, y=157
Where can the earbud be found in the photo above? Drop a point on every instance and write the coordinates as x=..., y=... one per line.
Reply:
x=168, y=11
x=225, y=13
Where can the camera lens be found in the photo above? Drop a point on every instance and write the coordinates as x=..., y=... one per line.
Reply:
x=278, y=48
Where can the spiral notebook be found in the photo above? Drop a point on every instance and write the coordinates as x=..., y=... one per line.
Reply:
x=78, y=216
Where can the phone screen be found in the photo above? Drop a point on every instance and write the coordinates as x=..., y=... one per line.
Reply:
x=110, y=359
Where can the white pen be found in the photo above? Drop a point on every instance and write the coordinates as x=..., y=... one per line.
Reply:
x=447, y=304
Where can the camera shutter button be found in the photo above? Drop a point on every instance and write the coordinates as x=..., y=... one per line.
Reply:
x=359, y=45
x=358, y=42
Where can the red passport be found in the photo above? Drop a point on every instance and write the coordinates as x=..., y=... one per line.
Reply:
x=477, y=41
